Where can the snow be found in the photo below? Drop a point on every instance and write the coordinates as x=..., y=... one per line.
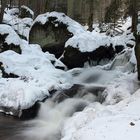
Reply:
x=133, y=57
x=20, y=25
x=87, y=41
x=120, y=88
x=117, y=118
x=12, y=37
x=74, y=27
x=37, y=76
x=90, y=41
x=99, y=122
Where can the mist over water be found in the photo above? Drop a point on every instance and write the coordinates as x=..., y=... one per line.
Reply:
x=48, y=124
x=56, y=110
x=53, y=113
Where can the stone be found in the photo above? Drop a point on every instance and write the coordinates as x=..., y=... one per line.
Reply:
x=50, y=37
x=74, y=58
x=4, y=46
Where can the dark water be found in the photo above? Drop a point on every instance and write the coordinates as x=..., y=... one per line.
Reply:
x=10, y=128
x=46, y=126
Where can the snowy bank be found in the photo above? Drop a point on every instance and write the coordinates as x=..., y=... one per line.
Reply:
x=37, y=77
x=99, y=122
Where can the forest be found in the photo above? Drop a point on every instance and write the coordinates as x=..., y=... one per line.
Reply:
x=69, y=69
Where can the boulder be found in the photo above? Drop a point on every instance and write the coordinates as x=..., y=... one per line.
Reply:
x=73, y=57
x=5, y=46
x=5, y=74
x=9, y=40
x=52, y=30
x=25, y=114
x=92, y=47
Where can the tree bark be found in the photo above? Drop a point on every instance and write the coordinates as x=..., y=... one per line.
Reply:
x=134, y=29
x=3, y=5
x=90, y=20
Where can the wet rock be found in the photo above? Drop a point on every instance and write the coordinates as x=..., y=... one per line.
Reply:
x=74, y=58
x=9, y=40
x=5, y=74
x=119, y=48
x=129, y=45
x=78, y=91
x=25, y=114
x=4, y=46
x=30, y=113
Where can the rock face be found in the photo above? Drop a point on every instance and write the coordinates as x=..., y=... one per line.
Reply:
x=74, y=58
x=51, y=36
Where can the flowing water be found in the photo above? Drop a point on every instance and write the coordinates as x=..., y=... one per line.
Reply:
x=55, y=111
x=47, y=125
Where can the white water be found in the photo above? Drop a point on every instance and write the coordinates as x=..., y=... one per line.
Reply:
x=47, y=126
x=53, y=113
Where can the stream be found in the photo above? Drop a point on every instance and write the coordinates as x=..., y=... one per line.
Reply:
x=47, y=125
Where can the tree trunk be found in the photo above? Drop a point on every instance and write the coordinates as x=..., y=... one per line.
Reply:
x=134, y=29
x=3, y=5
x=90, y=20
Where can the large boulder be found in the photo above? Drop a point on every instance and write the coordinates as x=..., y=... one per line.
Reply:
x=9, y=40
x=52, y=30
x=87, y=47
x=94, y=48
x=73, y=57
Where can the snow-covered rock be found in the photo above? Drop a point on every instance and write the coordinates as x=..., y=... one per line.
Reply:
x=52, y=30
x=96, y=47
x=20, y=25
x=37, y=77
x=9, y=39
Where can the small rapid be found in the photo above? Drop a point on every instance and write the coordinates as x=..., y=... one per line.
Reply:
x=89, y=83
